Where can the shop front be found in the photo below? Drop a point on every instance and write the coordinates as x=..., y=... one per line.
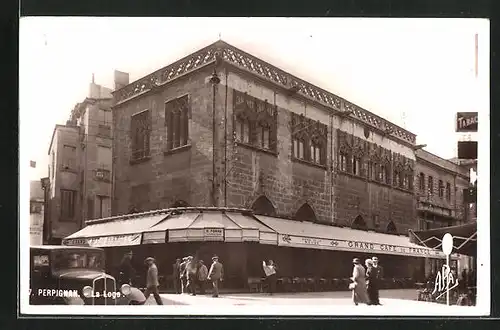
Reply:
x=305, y=252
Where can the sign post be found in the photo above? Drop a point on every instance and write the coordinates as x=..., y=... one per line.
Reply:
x=447, y=245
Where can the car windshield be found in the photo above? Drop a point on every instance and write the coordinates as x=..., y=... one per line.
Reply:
x=78, y=259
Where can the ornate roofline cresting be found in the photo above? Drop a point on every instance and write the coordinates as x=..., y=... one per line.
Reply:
x=221, y=51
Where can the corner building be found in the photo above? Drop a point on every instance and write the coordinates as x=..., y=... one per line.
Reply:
x=222, y=128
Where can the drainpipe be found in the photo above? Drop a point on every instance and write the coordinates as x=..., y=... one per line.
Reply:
x=225, y=143
x=214, y=80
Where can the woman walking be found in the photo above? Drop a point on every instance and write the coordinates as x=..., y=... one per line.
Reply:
x=358, y=286
x=371, y=282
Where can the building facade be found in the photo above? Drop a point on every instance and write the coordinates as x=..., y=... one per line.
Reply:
x=441, y=192
x=80, y=170
x=36, y=213
x=222, y=128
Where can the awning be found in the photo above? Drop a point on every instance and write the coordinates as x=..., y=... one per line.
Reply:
x=114, y=232
x=464, y=238
x=209, y=225
x=311, y=235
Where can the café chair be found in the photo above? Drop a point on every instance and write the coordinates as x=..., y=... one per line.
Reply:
x=254, y=284
x=323, y=284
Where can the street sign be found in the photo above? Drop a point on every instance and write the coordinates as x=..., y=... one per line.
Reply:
x=447, y=244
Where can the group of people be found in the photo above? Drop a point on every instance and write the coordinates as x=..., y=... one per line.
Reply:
x=365, y=282
x=190, y=273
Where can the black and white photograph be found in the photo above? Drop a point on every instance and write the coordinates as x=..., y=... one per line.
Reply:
x=254, y=166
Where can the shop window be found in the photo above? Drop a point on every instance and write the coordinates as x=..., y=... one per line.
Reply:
x=140, y=132
x=359, y=223
x=391, y=228
x=305, y=213
x=177, y=122
x=263, y=206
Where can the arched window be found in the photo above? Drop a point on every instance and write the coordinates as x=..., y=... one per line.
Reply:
x=263, y=206
x=305, y=213
x=180, y=203
x=359, y=223
x=391, y=228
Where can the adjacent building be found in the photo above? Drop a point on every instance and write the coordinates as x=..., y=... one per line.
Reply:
x=79, y=185
x=36, y=213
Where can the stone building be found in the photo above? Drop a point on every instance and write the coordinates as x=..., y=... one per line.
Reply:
x=80, y=177
x=221, y=128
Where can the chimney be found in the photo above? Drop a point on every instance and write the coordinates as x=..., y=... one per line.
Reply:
x=121, y=80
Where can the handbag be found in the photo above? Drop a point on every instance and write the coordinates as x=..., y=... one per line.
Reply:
x=352, y=286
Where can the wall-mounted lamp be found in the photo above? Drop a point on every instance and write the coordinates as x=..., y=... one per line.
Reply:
x=214, y=79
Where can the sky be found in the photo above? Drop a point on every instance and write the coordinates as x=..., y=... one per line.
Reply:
x=417, y=73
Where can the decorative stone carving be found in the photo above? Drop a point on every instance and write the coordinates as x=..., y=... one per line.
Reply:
x=222, y=52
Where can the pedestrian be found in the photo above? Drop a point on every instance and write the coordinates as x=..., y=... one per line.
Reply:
x=176, y=276
x=379, y=270
x=192, y=275
x=358, y=285
x=152, y=281
x=270, y=271
x=216, y=275
x=126, y=270
x=182, y=274
x=371, y=282
x=202, y=276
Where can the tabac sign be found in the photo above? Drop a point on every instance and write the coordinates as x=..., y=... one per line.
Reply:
x=466, y=122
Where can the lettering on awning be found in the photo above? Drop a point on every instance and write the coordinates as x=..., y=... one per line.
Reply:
x=213, y=234
x=104, y=241
x=358, y=246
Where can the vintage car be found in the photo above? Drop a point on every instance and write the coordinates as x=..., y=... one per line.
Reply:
x=73, y=275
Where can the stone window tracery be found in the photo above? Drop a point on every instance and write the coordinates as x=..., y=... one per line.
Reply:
x=309, y=139
x=255, y=121
x=140, y=135
x=177, y=122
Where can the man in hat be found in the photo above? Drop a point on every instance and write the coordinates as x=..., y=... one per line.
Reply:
x=216, y=275
x=182, y=273
x=152, y=281
x=127, y=271
x=176, y=275
x=358, y=287
x=379, y=275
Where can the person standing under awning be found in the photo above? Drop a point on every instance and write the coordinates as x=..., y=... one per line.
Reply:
x=270, y=271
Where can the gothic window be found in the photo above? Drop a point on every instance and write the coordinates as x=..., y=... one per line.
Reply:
x=391, y=228
x=382, y=174
x=359, y=223
x=408, y=181
x=140, y=133
x=243, y=130
x=356, y=165
x=298, y=148
x=305, y=213
x=441, y=189
x=421, y=182
x=343, y=161
x=177, y=122
x=430, y=185
x=371, y=169
x=263, y=206
x=263, y=136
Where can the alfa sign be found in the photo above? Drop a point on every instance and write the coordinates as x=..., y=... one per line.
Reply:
x=466, y=122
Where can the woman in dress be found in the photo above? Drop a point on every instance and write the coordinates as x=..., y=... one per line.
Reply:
x=358, y=286
x=371, y=285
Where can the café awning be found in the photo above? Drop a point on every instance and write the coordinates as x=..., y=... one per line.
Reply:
x=115, y=231
x=303, y=234
x=464, y=238
x=209, y=224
